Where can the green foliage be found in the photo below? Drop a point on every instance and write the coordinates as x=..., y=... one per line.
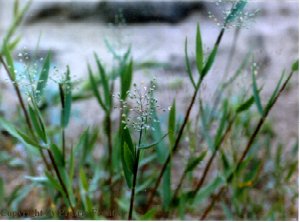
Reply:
x=235, y=11
x=43, y=78
x=66, y=99
x=188, y=66
x=256, y=92
x=199, y=51
x=2, y=191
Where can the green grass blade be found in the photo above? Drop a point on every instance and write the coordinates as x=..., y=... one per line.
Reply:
x=67, y=99
x=2, y=192
x=84, y=188
x=43, y=78
x=256, y=93
x=104, y=81
x=53, y=183
x=194, y=161
x=16, y=22
x=17, y=134
x=209, y=62
x=83, y=179
x=38, y=123
x=127, y=156
x=95, y=88
x=199, y=51
x=147, y=146
x=166, y=188
x=57, y=154
x=12, y=45
x=126, y=78
x=295, y=66
x=236, y=11
x=16, y=7
x=10, y=62
x=187, y=65
x=275, y=92
x=246, y=105
x=71, y=165
x=208, y=190
x=222, y=124
x=172, y=123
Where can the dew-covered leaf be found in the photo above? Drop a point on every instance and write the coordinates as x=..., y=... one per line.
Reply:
x=236, y=10
x=43, y=78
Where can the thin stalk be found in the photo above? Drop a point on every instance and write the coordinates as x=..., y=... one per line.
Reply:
x=17, y=89
x=218, y=93
x=24, y=110
x=207, y=166
x=180, y=133
x=209, y=163
x=246, y=149
x=110, y=164
x=136, y=166
x=61, y=181
x=62, y=100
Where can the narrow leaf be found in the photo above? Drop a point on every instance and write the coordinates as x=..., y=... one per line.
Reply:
x=129, y=158
x=194, y=161
x=236, y=10
x=126, y=78
x=199, y=51
x=172, y=122
x=104, y=81
x=67, y=99
x=14, y=43
x=38, y=123
x=275, y=92
x=246, y=105
x=187, y=64
x=126, y=139
x=10, y=62
x=57, y=154
x=2, y=192
x=295, y=66
x=54, y=183
x=95, y=88
x=256, y=93
x=17, y=134
x=209, y=62
x=147, y=146
x=42, y=82
x=83, y=179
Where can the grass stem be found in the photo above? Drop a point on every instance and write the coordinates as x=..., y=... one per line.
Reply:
x=246, y=149
x=24, y=110
x=136, y=166
x=180, y=133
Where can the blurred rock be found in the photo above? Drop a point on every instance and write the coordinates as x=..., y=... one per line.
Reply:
x=147, y=11
x=132, y=11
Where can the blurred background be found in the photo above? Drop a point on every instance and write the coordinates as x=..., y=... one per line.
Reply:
x=156, y=32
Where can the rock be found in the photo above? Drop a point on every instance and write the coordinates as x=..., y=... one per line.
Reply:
x=147, y=11
x=132, y=11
